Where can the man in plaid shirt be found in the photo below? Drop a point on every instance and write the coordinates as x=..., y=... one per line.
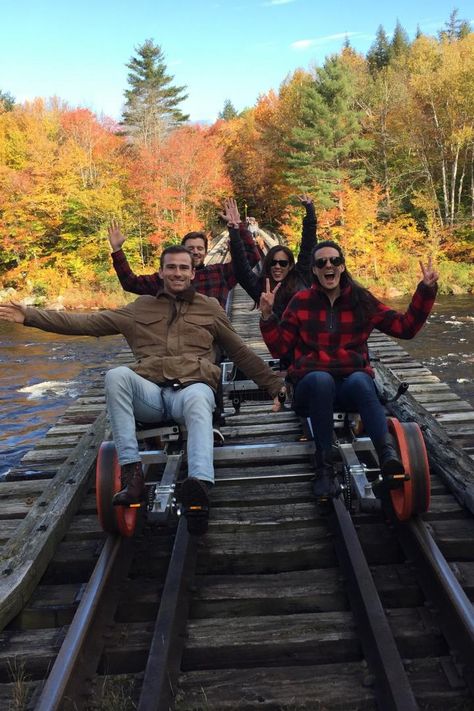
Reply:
x=324, y=330
x=214, y=280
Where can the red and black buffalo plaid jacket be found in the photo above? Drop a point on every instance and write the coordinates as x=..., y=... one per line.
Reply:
x=214, y=280
x=319, y=336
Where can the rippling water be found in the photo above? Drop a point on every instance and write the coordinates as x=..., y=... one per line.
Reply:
x=446, y=343
x=40, y=376
x=42, y=373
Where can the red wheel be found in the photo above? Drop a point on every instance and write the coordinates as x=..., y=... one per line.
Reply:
x=113, y=519
x=414, y=496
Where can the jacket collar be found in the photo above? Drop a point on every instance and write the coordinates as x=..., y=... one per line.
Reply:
x=186, y=295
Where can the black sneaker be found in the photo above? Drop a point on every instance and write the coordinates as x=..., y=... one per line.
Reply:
x=195, y=505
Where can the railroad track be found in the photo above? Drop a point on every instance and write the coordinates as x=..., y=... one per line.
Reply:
x=273, y=608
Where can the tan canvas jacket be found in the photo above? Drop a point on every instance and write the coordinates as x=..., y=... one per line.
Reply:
x=169, y=338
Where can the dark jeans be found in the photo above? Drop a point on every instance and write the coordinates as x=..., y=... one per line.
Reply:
x=318, y=394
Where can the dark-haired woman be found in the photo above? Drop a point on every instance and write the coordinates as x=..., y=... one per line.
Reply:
x=325, y=329
x=279, y=263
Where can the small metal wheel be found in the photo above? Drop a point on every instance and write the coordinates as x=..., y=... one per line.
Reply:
x=113, y=519
x=413, y=497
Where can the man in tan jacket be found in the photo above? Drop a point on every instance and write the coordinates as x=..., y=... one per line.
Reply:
x=173, y=337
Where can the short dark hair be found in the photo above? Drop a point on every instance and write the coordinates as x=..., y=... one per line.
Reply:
x=174, y=249
x=196, y=235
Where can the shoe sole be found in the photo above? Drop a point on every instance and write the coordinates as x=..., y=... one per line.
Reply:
x=195, y=506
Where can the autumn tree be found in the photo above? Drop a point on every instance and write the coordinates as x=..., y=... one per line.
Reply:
x=182, y=182
x=152, y=101
x=440, y=116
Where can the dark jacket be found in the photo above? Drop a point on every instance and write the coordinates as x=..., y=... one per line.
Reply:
x=254, y=284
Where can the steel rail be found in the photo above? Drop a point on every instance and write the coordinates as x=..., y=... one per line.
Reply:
x=392, y=687
x=166, y=649
x=442, y=588
x=57, y=692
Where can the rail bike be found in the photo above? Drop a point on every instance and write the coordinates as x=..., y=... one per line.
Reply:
x=358, y=477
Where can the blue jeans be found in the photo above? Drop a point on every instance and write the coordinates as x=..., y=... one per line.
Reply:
x=318, y=394
x=131, y=397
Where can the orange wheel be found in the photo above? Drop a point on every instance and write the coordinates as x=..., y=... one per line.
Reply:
x=414, y=496
x=113, y=519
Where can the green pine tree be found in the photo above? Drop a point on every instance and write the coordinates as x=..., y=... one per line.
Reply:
x=229, y=112
x=455, y=28
x=152, y=101
x=400, y=43
x=328, y=138
x=379, y=53
x=7, y=102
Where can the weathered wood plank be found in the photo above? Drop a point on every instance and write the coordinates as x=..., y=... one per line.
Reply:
x=25, y=557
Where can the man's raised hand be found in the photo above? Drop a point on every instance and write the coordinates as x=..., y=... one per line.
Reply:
x=12, y=312
x=116, y=238
x=231, y=213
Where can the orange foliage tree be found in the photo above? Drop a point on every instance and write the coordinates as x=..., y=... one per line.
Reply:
x=182, y=182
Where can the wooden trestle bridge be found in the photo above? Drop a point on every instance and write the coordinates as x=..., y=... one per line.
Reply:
x=277, y=607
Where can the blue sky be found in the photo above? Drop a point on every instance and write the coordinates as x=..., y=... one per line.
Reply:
x=219, y=49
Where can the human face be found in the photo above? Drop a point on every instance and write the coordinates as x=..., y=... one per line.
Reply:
x=197, y=248
x=177, y=272
x=279, y=271
x=329, y=275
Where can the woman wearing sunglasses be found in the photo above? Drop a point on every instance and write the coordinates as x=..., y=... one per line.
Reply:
x=279, y=263
x=325, y=330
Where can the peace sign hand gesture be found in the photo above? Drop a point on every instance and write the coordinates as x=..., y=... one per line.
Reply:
x=267, y=299
x=430, y=275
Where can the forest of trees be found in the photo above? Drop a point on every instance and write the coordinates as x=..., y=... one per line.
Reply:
x=384, y=143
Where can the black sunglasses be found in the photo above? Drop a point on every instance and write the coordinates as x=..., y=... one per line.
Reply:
x=335, y=261
x=281, y=262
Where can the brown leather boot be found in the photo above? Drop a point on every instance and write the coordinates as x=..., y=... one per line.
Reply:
x=133, y=485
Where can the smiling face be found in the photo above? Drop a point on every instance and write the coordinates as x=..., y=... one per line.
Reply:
x=328, y=273
x=177, y=272
x=197, y=247
x=279, y=265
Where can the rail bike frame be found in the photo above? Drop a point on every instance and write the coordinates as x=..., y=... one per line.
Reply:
x=356, y=462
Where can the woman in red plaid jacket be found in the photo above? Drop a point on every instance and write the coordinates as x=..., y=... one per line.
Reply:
x=325, y=329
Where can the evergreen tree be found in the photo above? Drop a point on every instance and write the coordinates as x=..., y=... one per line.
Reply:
x=379, y=53
x=152, y=101
x=327, y=140
x=228, y=112
x=400, y=43
x=7, y=102
x=455, y=28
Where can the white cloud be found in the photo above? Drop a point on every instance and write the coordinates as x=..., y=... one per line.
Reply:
x=305, y=43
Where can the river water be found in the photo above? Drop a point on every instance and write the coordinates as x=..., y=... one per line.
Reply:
x=41, y=373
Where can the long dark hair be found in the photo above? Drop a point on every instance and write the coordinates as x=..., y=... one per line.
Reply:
x=289, y=285
x=362, y=299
